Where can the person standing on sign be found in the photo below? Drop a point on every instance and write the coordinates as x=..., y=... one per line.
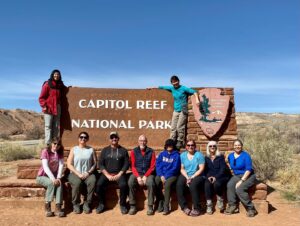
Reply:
x=50, y=101
x=113, y=163
x=143, y=166
x=180, y=94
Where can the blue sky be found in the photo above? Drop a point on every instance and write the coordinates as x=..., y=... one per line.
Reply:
x=252, y=46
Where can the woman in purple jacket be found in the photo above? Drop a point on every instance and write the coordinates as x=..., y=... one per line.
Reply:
x=167, y=170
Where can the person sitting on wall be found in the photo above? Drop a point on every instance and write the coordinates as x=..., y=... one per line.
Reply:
x=82, y=162
x=216, y=175
x=142, y=166
x=180, y=94
x=167, y=170
x=113, y=163
x=50, y=174
x=50, y=101
x=192, y=168
x=243, y=178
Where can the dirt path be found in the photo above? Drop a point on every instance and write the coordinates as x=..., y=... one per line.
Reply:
x=15, y=212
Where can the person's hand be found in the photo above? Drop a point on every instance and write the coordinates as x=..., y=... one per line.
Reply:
x=140, y=181
x=85, y=175
x=81, y=176
x=117, y=177
x=212, y=179
x=238, y=184
x=57, y=182
x=109, y=177
x=163, y=179
x=188, y=181
x=144, y=178
x=44, y=108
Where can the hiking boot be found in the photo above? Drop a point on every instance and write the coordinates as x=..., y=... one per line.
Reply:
x=100, y=208
x=132, y=210
x=76, y=209
x=58, y=211
x=195, y=213
x=86, y=208
x=48, y=209
x=179, y=144
x=123, y=209
x=150, y=211
x=209, y=209
x=231, y=210
x=166, y=210
x=251, y=212
x=187, y=211
x=220, y=203
x=160, y=207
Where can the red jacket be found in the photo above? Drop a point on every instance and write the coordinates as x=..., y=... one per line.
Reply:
x=50, y=98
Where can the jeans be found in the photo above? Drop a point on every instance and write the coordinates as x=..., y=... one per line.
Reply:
x=52, y=124
x=241, y=192
x=194, y=188
x=51, y=189
x=150, y=183
x=178, y=125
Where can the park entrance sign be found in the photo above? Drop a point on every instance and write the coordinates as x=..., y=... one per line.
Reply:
x=131, y=112
x=212, y=110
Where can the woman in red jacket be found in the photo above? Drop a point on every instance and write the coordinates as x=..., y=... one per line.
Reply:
x=50, y=101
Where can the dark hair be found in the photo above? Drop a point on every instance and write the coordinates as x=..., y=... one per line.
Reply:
x=85, y=133
x=174, y=78
x=52, y=74
x=169, y=143
x=238, y=140
x=57, y=140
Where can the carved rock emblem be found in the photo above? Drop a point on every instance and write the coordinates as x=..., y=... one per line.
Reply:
x=212, y=110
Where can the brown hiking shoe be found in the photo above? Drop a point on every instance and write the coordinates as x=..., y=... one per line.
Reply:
x=58, y=211
x=231, y=210
x=48, y=209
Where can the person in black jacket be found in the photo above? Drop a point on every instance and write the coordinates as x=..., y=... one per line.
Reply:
x=113, y=163
x=216, y=176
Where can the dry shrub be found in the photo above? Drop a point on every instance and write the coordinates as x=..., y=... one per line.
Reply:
x=11, y=152
x=35, y=133
x=269, y=149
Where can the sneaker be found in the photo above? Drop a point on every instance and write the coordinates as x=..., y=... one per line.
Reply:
x=123, y=209
x=150, y=211
x=76, y=209
x=160, y=207
x=195, y=213
x=86, y=208
x=220, y=204
x=100, y=208
x=58, y=211
x=187, y=211
x=166, y=210
x=209, y=209
x=49, y=213
x=251, y=212
x=132, y=210
x=231, y=210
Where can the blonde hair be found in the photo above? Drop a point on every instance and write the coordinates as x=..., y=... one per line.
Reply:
x=212, y=142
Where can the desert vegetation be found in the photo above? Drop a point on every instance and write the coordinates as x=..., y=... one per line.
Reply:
x=274, y=143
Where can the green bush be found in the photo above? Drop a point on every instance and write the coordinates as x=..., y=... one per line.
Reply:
x=11, y=152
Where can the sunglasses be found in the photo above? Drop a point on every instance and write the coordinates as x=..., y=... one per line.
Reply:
x=114, y=137
x=58, y=144
x=83, y=137
x=190, y=145
x=212, y=146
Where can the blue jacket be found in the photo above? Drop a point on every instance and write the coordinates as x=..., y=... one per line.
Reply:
x=168, y=164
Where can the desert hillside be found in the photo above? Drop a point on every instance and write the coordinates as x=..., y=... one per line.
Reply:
x=21, y=124
x=24, y=124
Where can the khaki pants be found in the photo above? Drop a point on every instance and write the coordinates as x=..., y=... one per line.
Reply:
x=52, y=190
x=178, y=126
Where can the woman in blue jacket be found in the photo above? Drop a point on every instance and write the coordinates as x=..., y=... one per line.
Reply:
x=243, y=178
x=167, y=170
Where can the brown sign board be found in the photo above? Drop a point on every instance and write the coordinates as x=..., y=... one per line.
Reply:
x=130, y=112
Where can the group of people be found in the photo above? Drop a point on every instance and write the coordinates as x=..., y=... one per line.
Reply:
x=187, y=171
